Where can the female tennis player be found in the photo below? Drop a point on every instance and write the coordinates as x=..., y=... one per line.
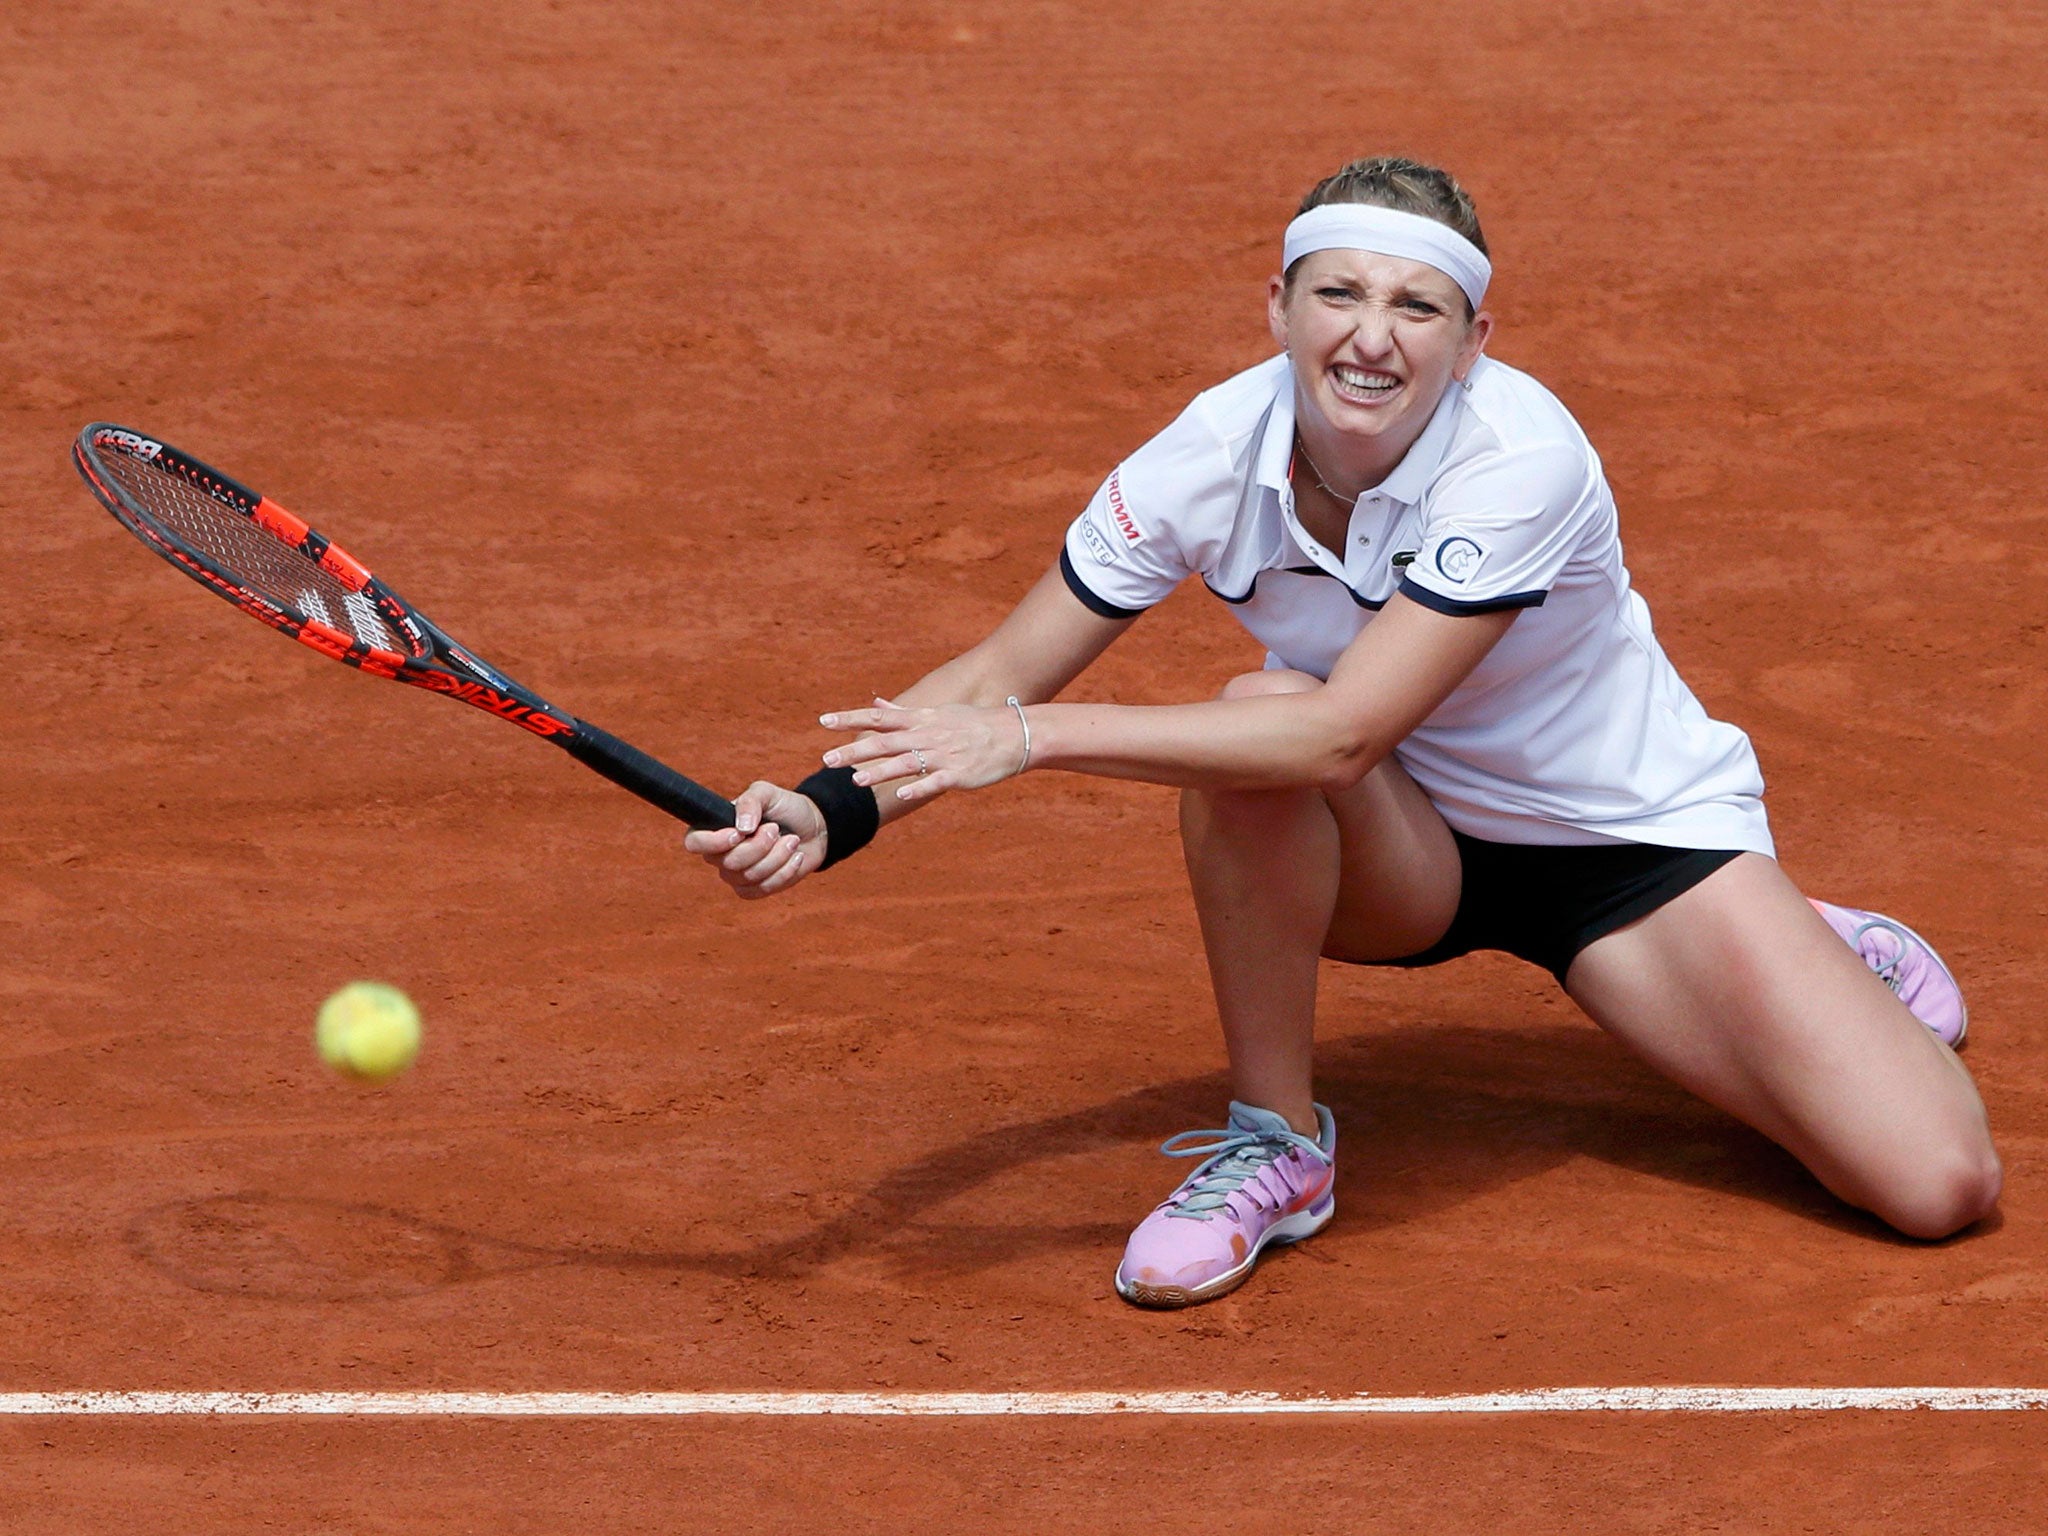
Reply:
x=1465, y=737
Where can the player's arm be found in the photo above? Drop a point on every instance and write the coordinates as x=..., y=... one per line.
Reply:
x=1391, y=678
x=1046, y=642
x=1049, y=639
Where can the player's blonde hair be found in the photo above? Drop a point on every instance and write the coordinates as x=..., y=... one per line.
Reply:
x=1404, y=185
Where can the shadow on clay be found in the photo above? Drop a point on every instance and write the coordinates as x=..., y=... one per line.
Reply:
x=1430, y=1116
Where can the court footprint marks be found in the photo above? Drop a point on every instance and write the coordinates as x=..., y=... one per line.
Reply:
x=285, y=1248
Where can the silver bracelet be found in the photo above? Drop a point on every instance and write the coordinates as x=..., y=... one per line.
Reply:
x=1012, y=702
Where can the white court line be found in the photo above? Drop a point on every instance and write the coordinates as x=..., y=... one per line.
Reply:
x=580, y=1405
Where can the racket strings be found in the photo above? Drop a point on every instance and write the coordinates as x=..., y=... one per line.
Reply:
x=218, y=527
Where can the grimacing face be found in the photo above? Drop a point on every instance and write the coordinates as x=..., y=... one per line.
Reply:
x=1375, y=341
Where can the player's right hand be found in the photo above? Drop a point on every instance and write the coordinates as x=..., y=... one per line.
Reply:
x=778, y=838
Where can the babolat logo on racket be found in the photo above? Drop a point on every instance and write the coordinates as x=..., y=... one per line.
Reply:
x=141, y=447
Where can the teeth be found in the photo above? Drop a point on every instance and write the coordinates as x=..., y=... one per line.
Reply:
x=1371, y=383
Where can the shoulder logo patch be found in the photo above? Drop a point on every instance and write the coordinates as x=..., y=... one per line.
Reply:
x=1458, y=559
x=1098, y=546
x=1119, y=511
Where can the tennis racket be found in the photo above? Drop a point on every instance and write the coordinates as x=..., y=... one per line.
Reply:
x=268, y=563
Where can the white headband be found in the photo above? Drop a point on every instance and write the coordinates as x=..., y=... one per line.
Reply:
x=1389, y=232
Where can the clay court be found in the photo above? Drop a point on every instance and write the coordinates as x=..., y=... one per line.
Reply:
x=707, y=366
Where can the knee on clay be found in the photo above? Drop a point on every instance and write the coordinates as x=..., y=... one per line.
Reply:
x=1947, y=1193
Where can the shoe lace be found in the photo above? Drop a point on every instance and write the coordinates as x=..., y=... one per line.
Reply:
x=1890, y=972
x=1235, y=1158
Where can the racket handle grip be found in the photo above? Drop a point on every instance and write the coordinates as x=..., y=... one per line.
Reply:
x=655, y=782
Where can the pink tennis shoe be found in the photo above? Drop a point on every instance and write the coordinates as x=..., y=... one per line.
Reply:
x=1907, y=964
x=1259, y=1183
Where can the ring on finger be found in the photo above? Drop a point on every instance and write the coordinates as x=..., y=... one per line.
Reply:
x=923, y=767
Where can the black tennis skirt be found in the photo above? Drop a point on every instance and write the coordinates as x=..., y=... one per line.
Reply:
x=1544, y=903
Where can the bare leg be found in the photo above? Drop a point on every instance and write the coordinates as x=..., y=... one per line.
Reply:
x=1283, y=877
x=1740, y=992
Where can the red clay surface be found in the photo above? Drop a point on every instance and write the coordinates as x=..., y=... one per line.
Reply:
x=709, y=365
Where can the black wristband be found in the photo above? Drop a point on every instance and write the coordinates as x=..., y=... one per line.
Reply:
x=851, y=813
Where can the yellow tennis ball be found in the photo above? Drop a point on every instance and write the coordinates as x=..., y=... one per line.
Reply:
x=368, y=1030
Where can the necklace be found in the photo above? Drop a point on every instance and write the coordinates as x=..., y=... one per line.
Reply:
x=1328, y=490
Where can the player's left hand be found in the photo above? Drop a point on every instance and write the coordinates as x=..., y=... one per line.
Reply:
x=955, y=746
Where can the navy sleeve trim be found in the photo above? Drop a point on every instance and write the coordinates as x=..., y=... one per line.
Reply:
x=1089, y=600
x=1460, y=607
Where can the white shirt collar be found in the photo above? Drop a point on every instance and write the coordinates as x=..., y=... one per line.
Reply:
x=1276, y=448
x=1425, y=455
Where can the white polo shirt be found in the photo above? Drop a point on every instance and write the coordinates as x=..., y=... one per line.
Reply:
x=1574, y=729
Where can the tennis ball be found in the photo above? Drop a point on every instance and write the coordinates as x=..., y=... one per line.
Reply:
x=368, y=1030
